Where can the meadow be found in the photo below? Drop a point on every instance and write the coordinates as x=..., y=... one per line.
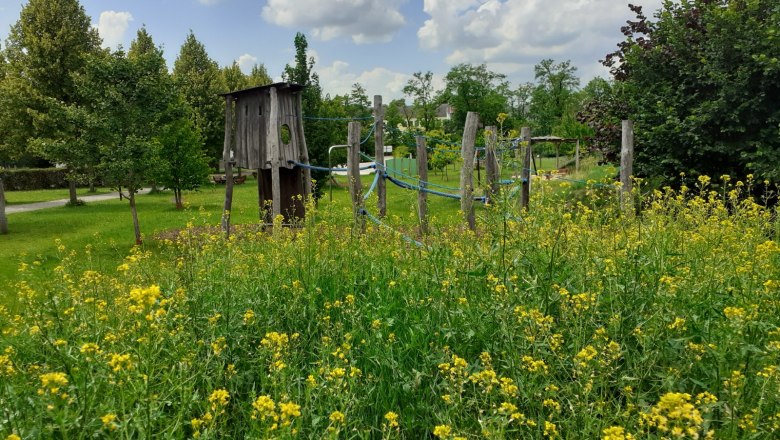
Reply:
x=576, y=319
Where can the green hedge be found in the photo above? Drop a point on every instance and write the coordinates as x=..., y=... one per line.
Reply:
x=25, y=179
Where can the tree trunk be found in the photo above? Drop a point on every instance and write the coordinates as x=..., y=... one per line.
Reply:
x=3, y=218
x=177, y=196
x=136, y=226
x=74, y=198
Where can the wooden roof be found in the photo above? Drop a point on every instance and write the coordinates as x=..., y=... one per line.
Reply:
x=280, y=86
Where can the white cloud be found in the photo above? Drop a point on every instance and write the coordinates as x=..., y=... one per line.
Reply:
x=246, y=62
x=337, y=79
x=512, y=35
x=365, y=21
x=209, y=2
x=112, y=26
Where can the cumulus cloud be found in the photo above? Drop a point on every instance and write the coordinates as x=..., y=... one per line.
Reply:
x=365, y=21
x=246, y=62
x=338, y=79
x=112, y=26
x=512, y=35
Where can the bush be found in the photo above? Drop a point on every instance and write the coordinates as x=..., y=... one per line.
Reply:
x=24, y=179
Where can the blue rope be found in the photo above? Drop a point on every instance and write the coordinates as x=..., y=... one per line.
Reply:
x=409, y=186
x=315, y=118
x=377, y=175
x=379, y=222
x=327, y=170
x=368, y=136
x=394, y=171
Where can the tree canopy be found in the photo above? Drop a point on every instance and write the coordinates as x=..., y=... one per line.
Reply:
x=702, y=81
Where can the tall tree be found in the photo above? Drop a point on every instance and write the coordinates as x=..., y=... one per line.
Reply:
x=45, y=48
x=703, y=82
x=259, y=76
x=199, y=79
x=420, y=88
x=470, y=88
x=233, y=78
x=126, y=105
x=319, y=134
x=552, y=97
x=183, y=166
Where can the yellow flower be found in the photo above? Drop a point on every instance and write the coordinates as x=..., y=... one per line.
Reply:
x=53, y=381
x=616, y=433
x=442, y=431
x=219, y=398
x=89, y=348
x=108, y=421
x=392, y=419
x=337, y=417
x=119, y=362
x=13, y=437
x=289, y=410
x=263, y=407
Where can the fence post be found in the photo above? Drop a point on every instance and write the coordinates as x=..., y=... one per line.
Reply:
x=379, y=155
x=272, y=137
x=422, y=173
x=525, y=174
x=626, y=161
x=577, y=157
x=228, y=166
x=353, y=173
x=491, y=163
x=467, y=170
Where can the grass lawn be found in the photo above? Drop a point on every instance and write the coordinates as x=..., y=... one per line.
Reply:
x=47, y=195
x=107, y=226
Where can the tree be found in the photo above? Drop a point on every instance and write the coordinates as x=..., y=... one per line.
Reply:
x=184, y=166
x=125, y=107
x=702, y=82
x=319, y=133
x=233, y=78
x=199, y=79
x=551, y=99
x=470, y=88
x=45, y=48
x=420, y=88
x=259, y=76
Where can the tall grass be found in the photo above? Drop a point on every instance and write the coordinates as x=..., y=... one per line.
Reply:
x=574, y=320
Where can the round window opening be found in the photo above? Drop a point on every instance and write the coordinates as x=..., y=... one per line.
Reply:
x=285, y=134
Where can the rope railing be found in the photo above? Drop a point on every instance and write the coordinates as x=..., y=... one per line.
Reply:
x=377, y=176
x=409, y=186
x=379, y=223
x=325, y=169
x=318, y=118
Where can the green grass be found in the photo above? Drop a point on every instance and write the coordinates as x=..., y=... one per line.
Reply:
x=574, y=318
x=47, y=195
x=107, y=226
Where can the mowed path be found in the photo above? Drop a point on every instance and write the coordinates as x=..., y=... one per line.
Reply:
x=13, y=209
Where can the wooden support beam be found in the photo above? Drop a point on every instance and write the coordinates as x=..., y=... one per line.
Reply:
x=272, y=139
x=467, y=169
x=525, y=174
x=227, y=159
x=422, y=174
x=379, y=155
x=626, y=160
x=491, y=163
x=353, y=173
x=304, y=151
x=577, y=157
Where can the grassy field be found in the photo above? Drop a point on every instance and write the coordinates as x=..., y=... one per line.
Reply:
x=46, y=195
x=575, y=320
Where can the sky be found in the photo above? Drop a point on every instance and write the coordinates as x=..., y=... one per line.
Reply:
x=377, y=43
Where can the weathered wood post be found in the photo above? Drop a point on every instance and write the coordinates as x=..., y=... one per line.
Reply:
x=626, y=161
x=353, y=174
x=272, y=139
x=422, y=174
x=304, y=153
x=525, y=174
x=226, y=159
x=577, y=157
x=379, y=155
x=491, y=164
x=3, y=218
x=467, y=170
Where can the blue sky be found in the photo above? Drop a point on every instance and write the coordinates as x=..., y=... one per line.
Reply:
x=378, y=43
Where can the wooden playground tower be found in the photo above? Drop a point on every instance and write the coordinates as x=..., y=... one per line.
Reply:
x=264, y=132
